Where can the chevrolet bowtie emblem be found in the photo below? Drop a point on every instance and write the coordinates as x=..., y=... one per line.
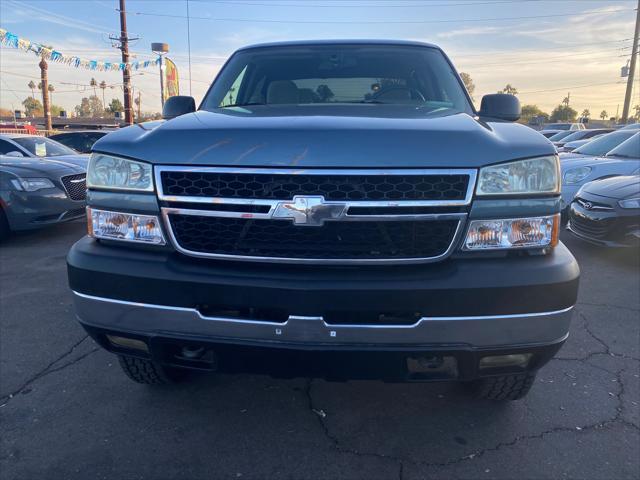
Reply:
x=309, y=211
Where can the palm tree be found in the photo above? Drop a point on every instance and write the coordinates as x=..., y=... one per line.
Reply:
x=32, y=86
x=603, y=114
x=51, y=89
x=94, y=84
x=103, y=86
x=586, y=113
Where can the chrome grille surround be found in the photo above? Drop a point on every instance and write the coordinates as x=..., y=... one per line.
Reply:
x=338, y=211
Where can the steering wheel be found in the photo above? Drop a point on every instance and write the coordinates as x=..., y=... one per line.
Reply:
x=381, y=93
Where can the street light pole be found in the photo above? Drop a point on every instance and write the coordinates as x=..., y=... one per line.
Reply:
x=161, y=49
x=632, y=68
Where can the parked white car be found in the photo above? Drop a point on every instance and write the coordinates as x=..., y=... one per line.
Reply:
x=576, y=171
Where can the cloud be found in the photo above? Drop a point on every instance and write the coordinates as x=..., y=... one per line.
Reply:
x=471, y=31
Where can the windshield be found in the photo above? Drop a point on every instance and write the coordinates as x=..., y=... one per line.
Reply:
x=628, y=149
x=560, y=136
x=339, y=74
x=43, y=147
x=558, y=126
x=601, y=145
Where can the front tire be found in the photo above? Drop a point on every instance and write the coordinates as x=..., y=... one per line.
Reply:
x=147, y=372
x=504, y=387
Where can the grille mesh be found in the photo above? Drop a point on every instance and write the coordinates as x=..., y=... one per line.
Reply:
x=332, y=187
x=334, y=240
x=76, y=186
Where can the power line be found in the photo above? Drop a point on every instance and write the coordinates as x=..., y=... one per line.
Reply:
x=368, y=5
x=569, y=88
x=85, y=25
x=549, y=60
x=383, y=22
x=537, y=50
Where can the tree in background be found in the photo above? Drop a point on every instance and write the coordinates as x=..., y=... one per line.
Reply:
x=563, y=113
x=468, y=83
x=603, y=114
x=89, y=107
x=637, y=110
x=509, y=89
x=51, y=89
x=32, y=107
x=94, y=84
x=115, y=106
x=529, y=112
x=55, y=110
x=585, y=113
x=32, y=86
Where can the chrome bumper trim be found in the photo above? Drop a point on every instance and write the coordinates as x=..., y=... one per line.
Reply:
x=476, y=331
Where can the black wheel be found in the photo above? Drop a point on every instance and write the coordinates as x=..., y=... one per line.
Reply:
x=505, y=387
x=4, y=225
x=147, y=372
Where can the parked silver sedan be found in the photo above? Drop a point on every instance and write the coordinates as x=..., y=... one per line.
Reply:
x=36, y=192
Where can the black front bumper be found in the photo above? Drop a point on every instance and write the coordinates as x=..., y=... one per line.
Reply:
x=467, y=308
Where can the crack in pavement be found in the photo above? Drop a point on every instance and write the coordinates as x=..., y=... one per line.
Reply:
x=5, y=399
x=616, y=419
x=336, y=442
x=607, y=348
x=609, y=305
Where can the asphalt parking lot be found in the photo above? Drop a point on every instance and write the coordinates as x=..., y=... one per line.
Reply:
x=68, y=412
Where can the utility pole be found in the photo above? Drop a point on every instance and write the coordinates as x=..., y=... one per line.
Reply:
x=139, y=105
x=45, y=94
x=632, y=68
x=123, y=40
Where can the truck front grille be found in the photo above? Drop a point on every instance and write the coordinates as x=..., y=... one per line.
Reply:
x=368, y=240
x=324, y=216
x=331, y=187
x=76, y=186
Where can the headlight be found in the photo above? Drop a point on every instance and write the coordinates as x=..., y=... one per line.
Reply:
x=537, y=232
x=115, y=173
x=127, y=227
x=576, y=175
x=31, y=184
x=536, y=175
x=630, y=203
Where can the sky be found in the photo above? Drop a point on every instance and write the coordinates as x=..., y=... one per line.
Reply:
x=545, y=48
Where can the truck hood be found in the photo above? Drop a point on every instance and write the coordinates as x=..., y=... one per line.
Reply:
x=326, y=136
x=615, y=187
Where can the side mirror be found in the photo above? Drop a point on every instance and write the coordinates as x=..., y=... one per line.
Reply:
x=501, y=106
x=15, y=153
x=178, y=105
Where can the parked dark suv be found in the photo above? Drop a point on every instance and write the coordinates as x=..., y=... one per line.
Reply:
x=335, y=209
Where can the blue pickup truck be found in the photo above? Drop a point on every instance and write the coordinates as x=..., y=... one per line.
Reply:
x=335, y=209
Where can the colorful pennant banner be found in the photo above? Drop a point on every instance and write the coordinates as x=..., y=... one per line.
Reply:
x=10, y=40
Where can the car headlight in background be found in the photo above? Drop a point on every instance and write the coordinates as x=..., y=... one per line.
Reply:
x=630, y=203
x=536, y=175
x=576, y=175
x=128, y=227
x=31, y=184
x=536, y=232
x=113, y=173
